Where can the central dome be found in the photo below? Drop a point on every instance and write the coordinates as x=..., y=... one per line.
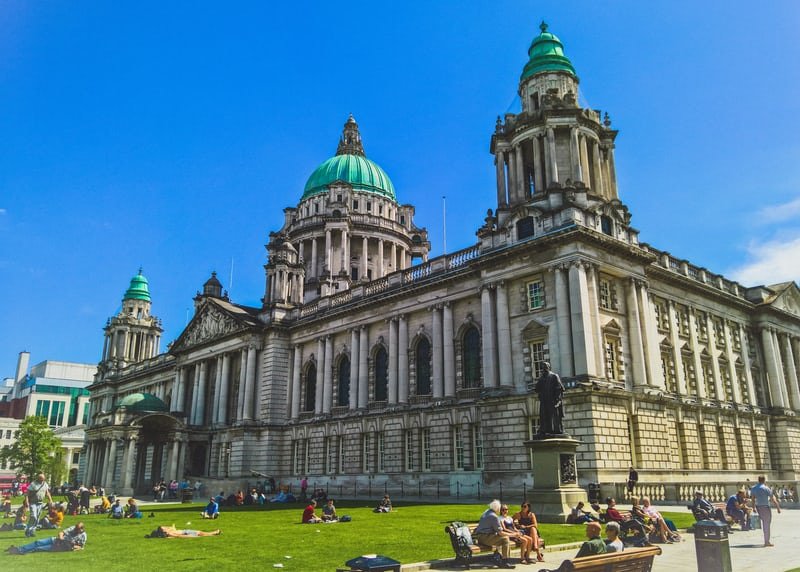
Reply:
x=350, y=165
x=355, y=170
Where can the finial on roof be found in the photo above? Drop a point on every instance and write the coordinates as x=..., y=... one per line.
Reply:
x=140, y=270
x=543, y=26
x=350, y=141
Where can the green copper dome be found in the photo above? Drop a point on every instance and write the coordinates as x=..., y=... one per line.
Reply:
x=546, y=55
x=142, y=402
x=350, y=165
x=138, y=290
x=358, y=171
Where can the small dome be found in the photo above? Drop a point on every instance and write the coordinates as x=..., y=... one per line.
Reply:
x=142, y=402
x=355, y=170
x=546, y=55
x=212, y=286
x=138, y=290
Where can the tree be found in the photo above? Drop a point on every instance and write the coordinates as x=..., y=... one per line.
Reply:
x=34, y=450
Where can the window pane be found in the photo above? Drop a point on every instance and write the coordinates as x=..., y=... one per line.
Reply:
x=381, y=375
x=423, y=364
x=472, y=358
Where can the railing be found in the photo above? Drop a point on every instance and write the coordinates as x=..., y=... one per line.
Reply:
x=309, y=309
x=682, y=267
x=460, y=258
x=417, y=273
x=341, y=298
x=377, y=286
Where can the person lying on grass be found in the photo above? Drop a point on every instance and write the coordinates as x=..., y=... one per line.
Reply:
x=72, y=538
x=172, y=532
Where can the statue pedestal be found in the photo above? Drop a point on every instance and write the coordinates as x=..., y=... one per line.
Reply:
x=555, y=478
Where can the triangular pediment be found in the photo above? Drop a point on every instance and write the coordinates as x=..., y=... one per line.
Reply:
x=787, y=298
x=534, y=329
x=210, y=322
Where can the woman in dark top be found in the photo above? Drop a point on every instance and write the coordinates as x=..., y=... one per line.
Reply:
x=527, y=523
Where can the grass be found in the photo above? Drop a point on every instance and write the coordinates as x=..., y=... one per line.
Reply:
x=263, y=536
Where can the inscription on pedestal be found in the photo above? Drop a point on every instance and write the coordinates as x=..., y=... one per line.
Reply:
x=567, y=469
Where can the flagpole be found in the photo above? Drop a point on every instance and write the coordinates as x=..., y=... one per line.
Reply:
x=444, y=222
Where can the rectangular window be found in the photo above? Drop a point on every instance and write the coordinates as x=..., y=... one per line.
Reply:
x=411, y=464
x=477, y=445
x=8, y=433
x=702, y=326
x=299, y=457
x=332, y=455
x=662, y=315
x=458, y=447
x=682, y=320
x=668, y=368
x=539, y=354
x=611, y=346
x=76, y=457
x=340, y=453
x=426, y=449
x=339, y=198
x=608, y=294
x=708, y=380
x=355, y=205
x=689, y=374
x=535, y=295
x=369, y=207
x=719, y=333
x=43, y=408
x=366, y=451
x=57, y=414
x=381, y=452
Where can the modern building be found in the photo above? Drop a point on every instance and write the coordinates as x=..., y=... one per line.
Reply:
x=369, y=363
x=55, y=390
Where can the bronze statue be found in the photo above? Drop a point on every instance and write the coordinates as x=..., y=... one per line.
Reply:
x=551, y=408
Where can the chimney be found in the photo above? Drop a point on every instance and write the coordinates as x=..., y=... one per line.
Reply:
x=22, y=366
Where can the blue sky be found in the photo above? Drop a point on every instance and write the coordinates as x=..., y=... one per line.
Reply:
x=170, y=135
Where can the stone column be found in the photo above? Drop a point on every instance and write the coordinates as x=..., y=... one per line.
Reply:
x=201, y=401
x=312, y=269
x=503, y=337
x=345, y=253
x=677, y=357
x=328, y=261
x=612, y=173
x=791, y=373
x=596, y=174
x=296, y=380
x=585, y=162
x=181, y=457
x=354, y=352
x=327, y=378
x=225, y=385
x=538, y=179
x=87, y=475
x=748, y=374
x=128, y=457
x=564, y=345
x=574, y=154
x=488, y=338
x=173, y=459
x=500, y=163
x=111, y=463
x=736, y=394
x=380, y=258
x=449, y=351
x=217, y=404
x=394, y=256
x=320, y=381
x=519, y=188
x=195, y=395
x=581, y=321
x=402, y=360
x=364, y=259
x=712, y=351
x=250, y=397
x=653, y=362
x=363, y=371
x=393, y=351
x=698, y=363
x=512, y=175
x=781, y=368
x=240, y=403
x=551, y=144
x=177, y=393
x=635, y=335
x=594, y=305
x=438, y=381
x=774, y=369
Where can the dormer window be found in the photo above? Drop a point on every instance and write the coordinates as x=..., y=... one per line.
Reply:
x=607, y=225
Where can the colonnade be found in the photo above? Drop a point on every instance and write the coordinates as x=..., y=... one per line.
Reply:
x=197, y=377
x=530, y=164
x=130, y=344
x=782, y=357
x=338, y=251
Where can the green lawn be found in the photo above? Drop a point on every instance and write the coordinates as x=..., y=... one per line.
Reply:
x=264, y=536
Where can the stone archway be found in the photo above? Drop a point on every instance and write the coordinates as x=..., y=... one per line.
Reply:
x=160, y=451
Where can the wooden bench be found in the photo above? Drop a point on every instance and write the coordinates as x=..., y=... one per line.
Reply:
x=629, y=560
x=465, y=551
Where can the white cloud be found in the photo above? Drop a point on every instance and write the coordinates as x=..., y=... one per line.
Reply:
x=780, y=213
x=771, y=261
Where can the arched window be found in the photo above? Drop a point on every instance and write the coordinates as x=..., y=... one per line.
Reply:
x=423, y=366
x=381, y=375
x=343, y=397
x=471, y=358
x=311, y=388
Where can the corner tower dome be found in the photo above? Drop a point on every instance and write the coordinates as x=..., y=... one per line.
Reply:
x=138, y=290
x=350, y=165
x=547, y=55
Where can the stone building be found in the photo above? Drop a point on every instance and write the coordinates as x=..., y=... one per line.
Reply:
x=369, y=363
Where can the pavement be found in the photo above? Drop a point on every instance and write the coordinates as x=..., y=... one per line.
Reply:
x=748, y=553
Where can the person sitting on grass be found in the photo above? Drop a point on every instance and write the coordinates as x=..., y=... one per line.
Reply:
x=580, y=516
x=103, y=506
x=132, y=510
x=211, y=510
x=172, y=532
x=72, y=538
x=20, y=517
x=329, y=512
x=6, y=510
x=54, y=517
x=308, y=514
x=117, y=510
x=385, y=505
x=613, y=542
x=595, y=544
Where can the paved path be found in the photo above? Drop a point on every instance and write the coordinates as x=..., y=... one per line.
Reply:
x=747, y=551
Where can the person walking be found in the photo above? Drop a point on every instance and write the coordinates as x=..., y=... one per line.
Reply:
x=38, y=491
x=762, y=496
